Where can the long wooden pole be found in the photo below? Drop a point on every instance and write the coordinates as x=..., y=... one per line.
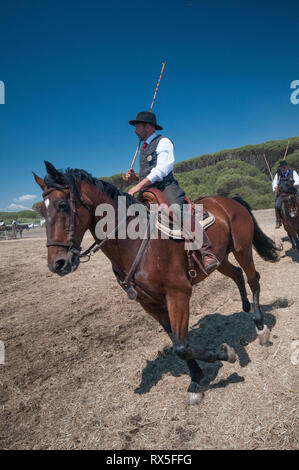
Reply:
x=268, y=166
x=285, y=153
x=154, y=99
x=163, y=65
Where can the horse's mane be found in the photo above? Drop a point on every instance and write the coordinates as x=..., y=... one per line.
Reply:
x=71, y=178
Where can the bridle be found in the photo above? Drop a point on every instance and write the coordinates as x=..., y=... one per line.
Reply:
x=128, y=283
x=290, y=198
x=71, y=243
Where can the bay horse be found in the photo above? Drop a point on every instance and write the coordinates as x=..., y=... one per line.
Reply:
x=161, y=281
x=290, y=212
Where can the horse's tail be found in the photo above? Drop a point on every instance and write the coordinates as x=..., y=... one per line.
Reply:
x=265, y=247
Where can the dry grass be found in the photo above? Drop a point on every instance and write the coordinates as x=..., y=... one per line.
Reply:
x=88, y=369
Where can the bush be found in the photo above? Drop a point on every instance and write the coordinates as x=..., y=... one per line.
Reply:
x=229, y=178
x=21, y=216
x=241, y=171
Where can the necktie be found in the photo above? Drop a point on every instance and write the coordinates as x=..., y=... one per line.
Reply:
x=144, y=146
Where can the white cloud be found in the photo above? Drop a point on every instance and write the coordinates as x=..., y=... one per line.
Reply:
x=13, y=207
x=25, y=197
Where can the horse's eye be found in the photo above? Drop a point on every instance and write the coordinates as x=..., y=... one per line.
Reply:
x=62, y=206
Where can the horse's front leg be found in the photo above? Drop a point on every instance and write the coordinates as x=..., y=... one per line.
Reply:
x=195, y=389
x=293, y=239
x=178, y=310
x=296, y=241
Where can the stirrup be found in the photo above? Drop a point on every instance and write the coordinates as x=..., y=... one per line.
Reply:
x=212, y=265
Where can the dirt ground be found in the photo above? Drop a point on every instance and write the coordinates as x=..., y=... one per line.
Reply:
x=86, y=368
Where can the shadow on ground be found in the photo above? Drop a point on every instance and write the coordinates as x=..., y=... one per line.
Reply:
x=209, y=332
x=291, y=253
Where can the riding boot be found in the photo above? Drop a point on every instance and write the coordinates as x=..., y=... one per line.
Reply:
x=203, y=245
x=278, y=218
x=208, y=258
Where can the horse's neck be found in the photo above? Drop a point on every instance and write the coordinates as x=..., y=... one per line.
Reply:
x=120, y=252
x=95, y=198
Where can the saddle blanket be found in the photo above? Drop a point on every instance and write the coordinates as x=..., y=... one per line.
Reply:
x=176, y=233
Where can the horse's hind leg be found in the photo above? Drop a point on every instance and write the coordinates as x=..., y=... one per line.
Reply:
x=245, y=260
x=236, y=274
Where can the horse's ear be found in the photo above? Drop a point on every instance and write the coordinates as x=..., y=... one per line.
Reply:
x=56, y=175
x=51, y=170
x=39, y=181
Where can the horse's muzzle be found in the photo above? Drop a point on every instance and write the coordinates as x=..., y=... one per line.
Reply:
x=65, y=264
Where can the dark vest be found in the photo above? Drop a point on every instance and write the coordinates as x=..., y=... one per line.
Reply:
x=148, y=160
x=282, y=177
x=286, y=182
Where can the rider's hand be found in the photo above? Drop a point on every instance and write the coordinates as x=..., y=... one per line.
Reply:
x=133, y=190
x=131, y=175
x=140, y=186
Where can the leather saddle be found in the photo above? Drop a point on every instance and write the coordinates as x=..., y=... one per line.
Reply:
x=153, y=195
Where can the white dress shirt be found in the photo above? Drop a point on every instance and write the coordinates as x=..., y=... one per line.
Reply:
x=165, y=159
x=295, y=177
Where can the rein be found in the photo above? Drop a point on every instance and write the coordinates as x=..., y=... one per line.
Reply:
x=127, y=284
x=92, y=250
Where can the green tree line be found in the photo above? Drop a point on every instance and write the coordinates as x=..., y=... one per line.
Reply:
x=237, y=172
x=23, y=217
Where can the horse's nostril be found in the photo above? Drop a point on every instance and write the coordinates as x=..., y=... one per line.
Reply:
x=59, y=264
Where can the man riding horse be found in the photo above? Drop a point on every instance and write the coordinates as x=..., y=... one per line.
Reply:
x=156, y=161
x=285, y=177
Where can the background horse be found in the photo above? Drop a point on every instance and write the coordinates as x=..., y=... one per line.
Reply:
x=15, y=228
x=9, y=229
x=161, y=278
x=290, y=211
x=21, y=227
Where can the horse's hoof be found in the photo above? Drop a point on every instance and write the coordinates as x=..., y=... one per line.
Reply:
x=246, y=306
x=194, y=398
x=231, y=355
x=264, y=336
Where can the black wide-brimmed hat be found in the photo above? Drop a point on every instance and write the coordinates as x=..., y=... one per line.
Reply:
x=146, y=116
x=283, y=163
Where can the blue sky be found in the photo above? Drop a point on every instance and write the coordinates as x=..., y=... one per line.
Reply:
x=76, y=72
